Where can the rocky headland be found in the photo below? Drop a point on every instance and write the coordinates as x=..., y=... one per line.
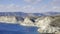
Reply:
x=45, y=24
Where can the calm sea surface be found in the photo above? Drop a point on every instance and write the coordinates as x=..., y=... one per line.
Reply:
x=16, y=29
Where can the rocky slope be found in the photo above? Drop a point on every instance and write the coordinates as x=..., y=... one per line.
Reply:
x=45, y=24
x=8, y=19
x=49, y=25
x=27, y=22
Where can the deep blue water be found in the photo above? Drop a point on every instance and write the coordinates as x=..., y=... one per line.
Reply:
x=16, y=29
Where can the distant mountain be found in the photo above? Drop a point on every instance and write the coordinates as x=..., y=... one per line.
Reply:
x=22, y=14
x=46, y=14
x=52, y=13
x=38, y=14
x=13, y=14
x=19, y=14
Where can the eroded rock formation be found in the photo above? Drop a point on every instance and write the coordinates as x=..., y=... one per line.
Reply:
x=45, y=24
x=49, y=25
x=27, y=22
x=8, y=19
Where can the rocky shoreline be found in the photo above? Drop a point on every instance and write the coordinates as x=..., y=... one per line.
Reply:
x=45, y=24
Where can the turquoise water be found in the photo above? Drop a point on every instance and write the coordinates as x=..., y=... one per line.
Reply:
x=16, y=29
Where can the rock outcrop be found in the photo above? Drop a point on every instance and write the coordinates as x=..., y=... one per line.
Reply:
x=46, y=25
x=43, y=23
x=27, y=22
x=8, y=19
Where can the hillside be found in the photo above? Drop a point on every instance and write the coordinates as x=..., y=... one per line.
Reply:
x=46, y=23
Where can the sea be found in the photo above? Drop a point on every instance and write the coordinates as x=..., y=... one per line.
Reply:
x=17, y=29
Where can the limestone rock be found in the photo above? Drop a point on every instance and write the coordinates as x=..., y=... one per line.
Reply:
x=43, y=22
x=27, y=22
x=44, y=25
x=8, y=19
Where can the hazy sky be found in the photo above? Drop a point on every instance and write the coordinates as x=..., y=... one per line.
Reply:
x=29, y=5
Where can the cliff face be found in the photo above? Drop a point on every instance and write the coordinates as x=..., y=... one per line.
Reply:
x=27, y=22
x=8, y=19
x=43, y=24
x=47, y=24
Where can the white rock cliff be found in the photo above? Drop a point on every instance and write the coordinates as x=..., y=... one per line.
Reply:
x=27, y=22
x=44, y=24
x=8, y=19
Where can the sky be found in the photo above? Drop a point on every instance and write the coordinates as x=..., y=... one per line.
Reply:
x=30, y=6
